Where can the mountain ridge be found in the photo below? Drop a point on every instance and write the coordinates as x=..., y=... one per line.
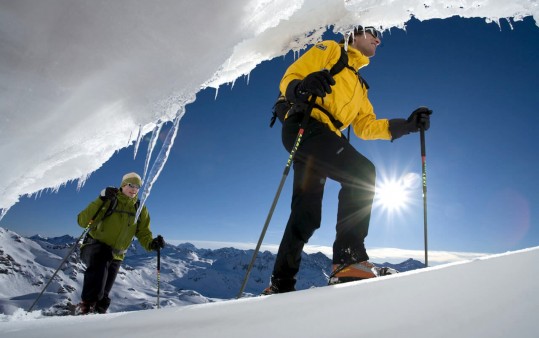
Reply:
x=188, y=275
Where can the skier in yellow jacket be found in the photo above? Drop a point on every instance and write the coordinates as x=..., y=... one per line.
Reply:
x=324, y=153
x=110, y=235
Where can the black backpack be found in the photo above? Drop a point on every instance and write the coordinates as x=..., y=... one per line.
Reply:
x=282, y=106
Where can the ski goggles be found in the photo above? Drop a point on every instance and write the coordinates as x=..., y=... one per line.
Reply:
x=369, y=29
x=134, y=186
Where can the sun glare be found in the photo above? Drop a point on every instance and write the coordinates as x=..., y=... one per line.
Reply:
x=394, y=194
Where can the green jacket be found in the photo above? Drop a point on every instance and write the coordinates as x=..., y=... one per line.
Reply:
x=118, y=229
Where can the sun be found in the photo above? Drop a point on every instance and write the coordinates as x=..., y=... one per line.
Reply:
x=393, y=194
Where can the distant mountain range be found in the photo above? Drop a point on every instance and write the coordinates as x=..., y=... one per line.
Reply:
x=188, y=275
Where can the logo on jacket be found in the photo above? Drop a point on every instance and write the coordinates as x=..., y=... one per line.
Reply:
x=321, y=46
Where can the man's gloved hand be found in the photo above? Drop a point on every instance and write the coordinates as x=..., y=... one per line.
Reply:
x=157, y=243
x=419, y=118
x=317, y=83
x=109, y=193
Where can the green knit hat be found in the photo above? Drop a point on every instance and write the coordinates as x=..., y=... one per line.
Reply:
x=132, y=178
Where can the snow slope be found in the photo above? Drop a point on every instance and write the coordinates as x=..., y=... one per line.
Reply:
x=495, y=296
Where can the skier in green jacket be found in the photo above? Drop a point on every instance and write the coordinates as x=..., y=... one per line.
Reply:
x=110, y=235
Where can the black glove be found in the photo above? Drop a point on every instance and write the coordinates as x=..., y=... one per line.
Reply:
x=157, y=243
x=317, y=83
x=109, y=193
x=419, y=118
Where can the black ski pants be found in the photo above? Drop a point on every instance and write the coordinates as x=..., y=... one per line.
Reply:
x=100, y=274
x=323, y=154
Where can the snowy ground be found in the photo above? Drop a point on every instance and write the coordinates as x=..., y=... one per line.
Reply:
x=74, y=89
x=495, y=296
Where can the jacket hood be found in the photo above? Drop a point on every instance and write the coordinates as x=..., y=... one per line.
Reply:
x=356, y=59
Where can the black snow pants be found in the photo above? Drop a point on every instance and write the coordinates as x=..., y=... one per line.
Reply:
x=100, y=274
x=323, y=154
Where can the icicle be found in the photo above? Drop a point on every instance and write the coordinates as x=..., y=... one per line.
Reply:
x=3, y=212
x=129, y=139
x=54, y=190
x=160, y=161
x=137, y=144
x=81, y=181
x=216, y=92
x=153, y=141
x=346, y=38
x=510, y=23
x=499, y=23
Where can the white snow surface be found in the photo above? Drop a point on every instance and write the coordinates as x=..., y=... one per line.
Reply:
x=494, y=296
x=80, y=80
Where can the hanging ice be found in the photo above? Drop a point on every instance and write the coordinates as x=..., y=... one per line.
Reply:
x=160, y=161
x=151, y=146
x=139, y=139
x=51, y=74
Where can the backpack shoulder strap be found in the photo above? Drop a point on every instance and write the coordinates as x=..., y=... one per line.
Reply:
x=111, y=208
x=341, y=64
x=362, y=81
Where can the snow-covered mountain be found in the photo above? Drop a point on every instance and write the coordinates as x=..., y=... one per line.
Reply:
x=188, y=275
x=494, y=296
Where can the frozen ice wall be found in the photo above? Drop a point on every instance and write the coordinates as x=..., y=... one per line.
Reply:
x=80, y=80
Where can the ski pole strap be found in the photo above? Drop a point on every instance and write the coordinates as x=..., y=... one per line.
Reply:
x=307, y=116
x=302, y=126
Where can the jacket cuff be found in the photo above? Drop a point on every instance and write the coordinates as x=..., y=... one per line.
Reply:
x=398, y=128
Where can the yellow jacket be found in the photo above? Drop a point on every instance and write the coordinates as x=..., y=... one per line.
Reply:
x=348, y=101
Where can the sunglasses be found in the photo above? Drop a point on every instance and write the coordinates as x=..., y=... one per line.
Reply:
x=371, y=30
x=134, y=186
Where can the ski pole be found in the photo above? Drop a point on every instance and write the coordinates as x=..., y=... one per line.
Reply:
x=158, y=273
x=291, y=157
x=68, y=254
x=424, y=179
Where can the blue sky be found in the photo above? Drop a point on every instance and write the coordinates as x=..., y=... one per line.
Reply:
x=223, y=171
